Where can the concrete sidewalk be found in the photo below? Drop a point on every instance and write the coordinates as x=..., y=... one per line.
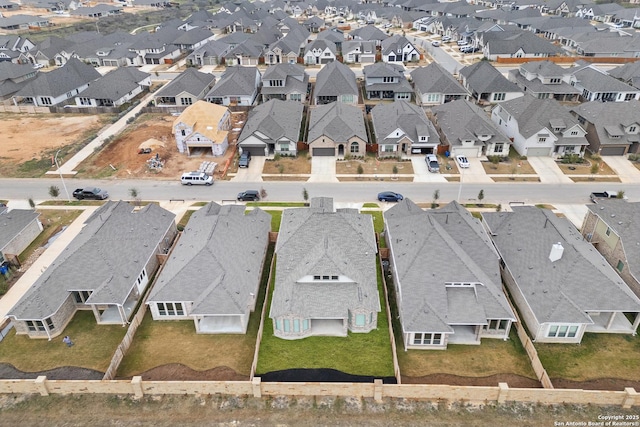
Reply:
x=29, y=277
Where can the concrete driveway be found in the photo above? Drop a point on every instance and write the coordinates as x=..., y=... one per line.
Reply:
x=421, y=173
x=323, y=169
x=548, y=171
x=623, y=168
x=253, y=173
x=475, y=172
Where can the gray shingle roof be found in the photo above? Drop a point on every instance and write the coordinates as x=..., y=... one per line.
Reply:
x=217, y=263
x=236, y=81
x=106, y=257
x=13, y=222
x=509, y=42
x=482, y=77
x=275, y=119
x=626, y=72
x=536, y=86
x=456, y=242
x=337, y=121
x=320, y=241
x=368, y=32
x=115, y=84
x=335, y=79
x=597, y=81
x=402, y=115
x=435, y=79
x=189, y=81
x=296, y=80
x=462, y=119
x=580, y=281
x=612, y=115
x=60, y=81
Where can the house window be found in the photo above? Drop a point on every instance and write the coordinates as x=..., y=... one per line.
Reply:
x=542, y=139
x=305, y=325
x=295, y=97
x=347, y=99
x=388, y=79
x=629, y=96
x=555, y=81
x=296, y=325
x=499, y=96
x=287, y=327
x=170, y=309
x=276, y=83
x=354, y=147
x=81, y=297
x=632, y=129
x=360, y=320
x=562, y=331
x=388, y=148
x=620, y=266
x=433, y=97
x=184, y=132
x=574, y=132
x=186, y=101
x=498, y=148
x=45, y=101
x=36, y=325
x=427, y=339
x=608, y=232
x=277, y=325
x=284, y=146
x=423, y=138
x=316, y=277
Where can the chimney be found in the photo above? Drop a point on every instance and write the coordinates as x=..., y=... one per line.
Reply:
x=556, y=252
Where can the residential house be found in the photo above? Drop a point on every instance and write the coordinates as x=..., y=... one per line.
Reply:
x=114, y=88
x=540, y=127
x=57, y=86
x=544, y=79
x=285, y=82
x=287, y=49
x=336, y=82
x=320, y=52
x=237, y=86
x=337, y=129
x=369, y=33
x=45, y=51
x=613, y=129
x=272, y=128
x=186, y=89
x=386, y=81
x=397, y=49
x=459, y=304
x=203, y=126
x=434, y=85
x=325, y=273
x=402, y=128
x=359, y=52
x=23, y=22
x=19, y=228
x=12, y=45
x=100, y=10
x=248, y=53
x=14, y=77
x=612, y=228
x=157, y=48
x=596, y=85
x=561, y=286
x=487, y=85
x=517, y=44
x=211, y=53
x=465, y=129
x=333, y=35
x=202, y=279
x=106, y=268
x=628, y=73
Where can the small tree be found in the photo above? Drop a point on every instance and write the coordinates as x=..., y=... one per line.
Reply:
x=620, y=194
x=281, y=168
x=133, y=192
x=436, y=196
x=395, y=170
x=494, y=161
x=263, y=193
x=305, y=194
x=594, y=169
x=54, y=191
x=360, y=170
x=480, y=198
x=32, y=203
x=499, y=208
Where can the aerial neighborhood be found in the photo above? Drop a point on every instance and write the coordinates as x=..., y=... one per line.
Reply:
x=531, y=105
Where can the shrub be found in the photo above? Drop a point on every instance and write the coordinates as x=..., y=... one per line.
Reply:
x=523, y=157
x=277, y=157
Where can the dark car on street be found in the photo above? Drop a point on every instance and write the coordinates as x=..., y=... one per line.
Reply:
x=92, y=193
x=249, y=196
x=389, y=196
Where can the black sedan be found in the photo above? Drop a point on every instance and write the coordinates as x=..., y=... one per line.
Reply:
x=389, y=196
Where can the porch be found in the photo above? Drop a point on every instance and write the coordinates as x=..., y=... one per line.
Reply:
x=464, y=334
x=114, y=314
x=612, y=323
x=328, y=327
x=220, y=325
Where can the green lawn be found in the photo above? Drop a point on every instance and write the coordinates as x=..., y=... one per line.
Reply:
x=598, y=356
x=356, y=354
x=93, y=349
x=276, y=218
x=158, y=343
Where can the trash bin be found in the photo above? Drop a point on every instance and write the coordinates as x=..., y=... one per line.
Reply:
x=446, y=153
x=4, y=269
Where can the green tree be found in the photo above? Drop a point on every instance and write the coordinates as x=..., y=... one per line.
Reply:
x=436, y=196
x=360, y=170
x=594, y=169
x=305, y=194
x=54, y=191
x=134, y=193
x=395, y=169
x=480, y=198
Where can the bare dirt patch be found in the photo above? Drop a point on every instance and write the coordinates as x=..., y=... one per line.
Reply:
x=371, y=166
x=288, y=165
x=510, y=167
x=177, y=371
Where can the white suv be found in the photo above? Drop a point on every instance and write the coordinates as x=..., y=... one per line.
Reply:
x=432, y=163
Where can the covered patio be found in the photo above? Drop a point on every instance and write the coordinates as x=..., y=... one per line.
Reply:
x=328, y=327
x=613, y=322
x=220, y=325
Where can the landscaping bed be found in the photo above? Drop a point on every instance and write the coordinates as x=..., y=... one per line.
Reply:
x=514, y=166
x=372, y=166
x=288, y=165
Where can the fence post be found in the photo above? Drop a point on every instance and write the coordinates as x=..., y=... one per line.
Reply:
x=630, y=398
x=41, y=382
x=136, y=384
x=255, y=384
x=377, y=390
x=503, y=392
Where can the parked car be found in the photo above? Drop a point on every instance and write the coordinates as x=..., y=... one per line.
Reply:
x=389, y=196
x=595, y=196
x=462, y=161
x=446, y=39
x=196, y=178
x=37, y=66
x=249, y=196
x=462, y=43
x=435, y=43
x=469, y=49
x=432, y=163
x=91, y=193
x=245, y=158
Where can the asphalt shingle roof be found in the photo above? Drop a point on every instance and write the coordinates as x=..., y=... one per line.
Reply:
x=337, y=121
x=435, y=79
x=275, y=119
x=335, y=79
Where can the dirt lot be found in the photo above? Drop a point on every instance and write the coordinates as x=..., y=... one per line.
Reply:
x=151, y=131
x=27, y=137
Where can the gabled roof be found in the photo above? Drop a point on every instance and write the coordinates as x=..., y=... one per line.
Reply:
x=449, y=237
x=322, y=45
x=275, y=119
x=203, y=118
x=509, y=42
x=60, y=81
x=564, y=291
x=409, y=118
x=611, y=115
x=435, y=79
x=204, y=266
x=106, y=257
x=337, y=121
x=189, y=81
x=393, y=44
x=369, y=32
x=383, y=69
x=13, y=222
x=236, y=81
x=627, y=72
x=320, y=241
x=335, y=79
x=295, y=78
x=598, y=81
x=482, y=77
x=544, y=68
x=115, y=84
x=462, y=120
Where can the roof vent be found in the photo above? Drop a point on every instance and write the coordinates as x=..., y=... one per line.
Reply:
x=556, y=252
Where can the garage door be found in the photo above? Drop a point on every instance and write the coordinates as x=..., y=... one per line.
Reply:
x=255, y=151
x=467, y=152
x=324, y=152
x=535, y=152
x=612, y=151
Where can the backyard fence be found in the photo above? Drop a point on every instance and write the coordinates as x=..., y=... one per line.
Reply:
x=272, y=239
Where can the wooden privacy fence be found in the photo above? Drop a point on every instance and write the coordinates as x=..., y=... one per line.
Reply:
x=377, y=390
